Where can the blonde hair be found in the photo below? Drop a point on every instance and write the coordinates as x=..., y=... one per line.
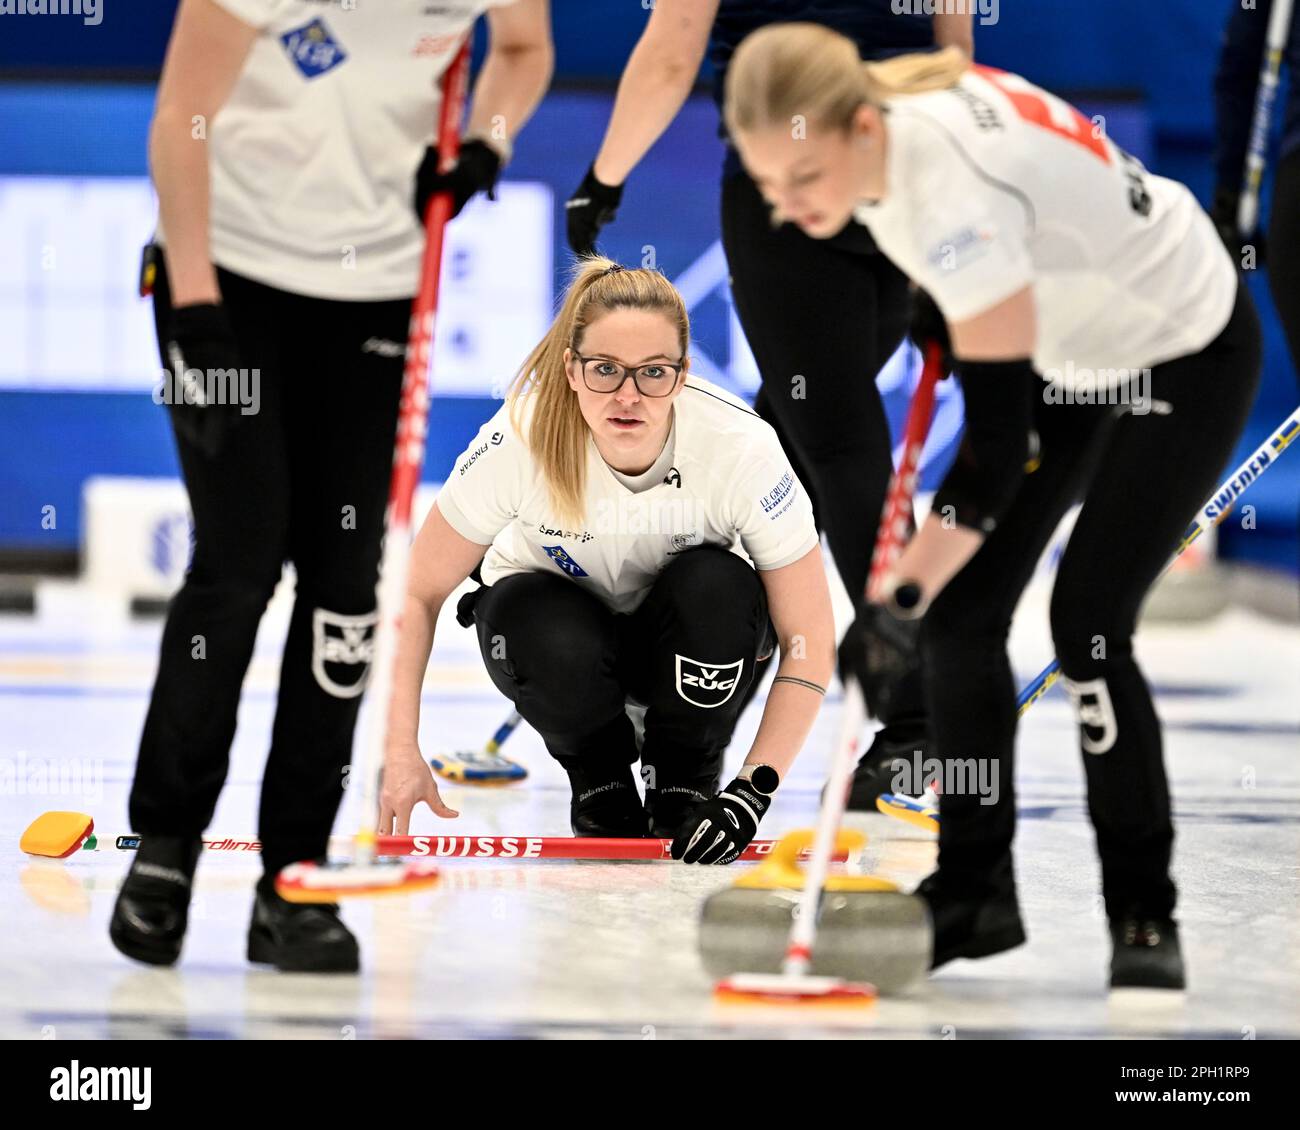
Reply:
x=785, y=71
x=557, y=433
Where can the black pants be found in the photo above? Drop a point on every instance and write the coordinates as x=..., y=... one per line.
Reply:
x=687, y=653
x=1142, y=478
x=304, y=479
x=1284, y=251
x=822, y=317
x=831, y=312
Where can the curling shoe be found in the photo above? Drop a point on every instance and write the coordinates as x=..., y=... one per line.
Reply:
x=972, y=919
x=153, y=906
x=905, y=740
x=605, y=801
x=1145, y=953
x=675, y=784
x=299, y=937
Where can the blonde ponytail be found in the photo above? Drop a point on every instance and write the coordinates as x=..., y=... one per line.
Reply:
x=786, y=72
x=557, y=433
x=914, y=74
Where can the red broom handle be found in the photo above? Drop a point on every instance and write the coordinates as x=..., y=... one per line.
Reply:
x=895, y=523
x=408, y=457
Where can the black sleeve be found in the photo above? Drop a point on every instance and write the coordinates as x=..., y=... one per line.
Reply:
x=995, y=445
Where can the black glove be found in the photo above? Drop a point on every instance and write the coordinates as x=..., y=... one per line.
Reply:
x=590, y=208
x=476, y=170
x=201, y=341
x=926, y=323
x=718, y=830
x=879, y=650
x=1224, y=214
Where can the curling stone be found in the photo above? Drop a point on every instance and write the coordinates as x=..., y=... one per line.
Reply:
x=868, y=929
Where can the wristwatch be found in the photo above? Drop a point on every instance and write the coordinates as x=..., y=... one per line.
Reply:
x=762, y=779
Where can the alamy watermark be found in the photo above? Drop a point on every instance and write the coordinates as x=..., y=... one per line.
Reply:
x=88, y=10
x=37, y=776
x=986, y=10
x=1126, y=388
x=679, y=518
x=202, y=387
x=953, y=776
x=75, y=1083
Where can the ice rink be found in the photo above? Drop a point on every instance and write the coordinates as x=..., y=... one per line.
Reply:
x=540, y=949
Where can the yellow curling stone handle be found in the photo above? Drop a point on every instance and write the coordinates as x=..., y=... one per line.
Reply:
x=782, y=869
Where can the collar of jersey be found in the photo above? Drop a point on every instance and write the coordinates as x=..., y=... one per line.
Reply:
x=674, y=438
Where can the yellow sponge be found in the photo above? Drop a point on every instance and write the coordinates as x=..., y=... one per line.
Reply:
x=56, y=835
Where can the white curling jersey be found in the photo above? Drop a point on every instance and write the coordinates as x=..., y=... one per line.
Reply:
x=313, y=155
x=722, y=479
x=995, y=184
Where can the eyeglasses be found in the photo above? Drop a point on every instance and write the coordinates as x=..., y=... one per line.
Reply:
x=600, y=374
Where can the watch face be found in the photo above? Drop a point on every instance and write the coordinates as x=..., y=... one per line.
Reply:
x=764, y=779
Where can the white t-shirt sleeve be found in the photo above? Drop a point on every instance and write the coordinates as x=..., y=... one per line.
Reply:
x=772, y=511
x=971, y=244
x=485, y=488
x=256, y=13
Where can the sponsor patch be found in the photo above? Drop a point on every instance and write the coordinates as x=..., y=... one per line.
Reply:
x=777, y=500
x=341, y=650
x=560, y=556
x=172, y=544
x=960, y=248
x=472, y=457
x=707, y=684
x=383, y=347
x=313, y=49
x=986, y=117
x=575, y=535
x=435, y=44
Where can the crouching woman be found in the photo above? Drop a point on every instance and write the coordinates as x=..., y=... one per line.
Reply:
x=641, y=539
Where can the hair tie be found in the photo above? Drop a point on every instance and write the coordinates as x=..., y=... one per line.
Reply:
x=612, y=270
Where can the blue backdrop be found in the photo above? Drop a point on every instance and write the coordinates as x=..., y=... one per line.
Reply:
x=1162, y=56
x=1164, y=51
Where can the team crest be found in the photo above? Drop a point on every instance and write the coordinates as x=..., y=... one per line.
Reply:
x=560, y=556
x=341, y=650
x=707, y=684
x=313, y=49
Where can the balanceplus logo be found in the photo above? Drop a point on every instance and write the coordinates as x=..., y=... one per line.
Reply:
x=88, y=10
x=102, y=1084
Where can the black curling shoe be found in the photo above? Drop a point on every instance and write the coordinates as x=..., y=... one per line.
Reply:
x=153, y=906
x=906, y=741
x=971, y=920
x=1145, y=954
x=667, y=807
x=299, y=937
x=676, y=784
x=605, y=801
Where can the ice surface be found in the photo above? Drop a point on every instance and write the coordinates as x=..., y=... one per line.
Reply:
x=608, y=950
